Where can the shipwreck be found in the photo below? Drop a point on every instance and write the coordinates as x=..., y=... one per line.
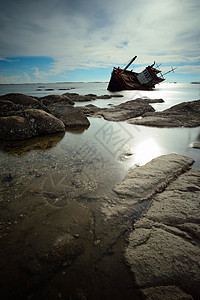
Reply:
x=123, y=79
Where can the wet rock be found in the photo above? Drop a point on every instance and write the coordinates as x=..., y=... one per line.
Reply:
x=104, y=97
x=22, y=101
x=186, y=114
x=122, y=112
x=166, y=293
x=56, y=98
x=7, y=108
x=90, y=109
x=89, y=97
x=43, y=122
x=15, y=128
x=163, y=250
x=70, y=116
x=196, y=145
x=80, y=98
x=143, y=182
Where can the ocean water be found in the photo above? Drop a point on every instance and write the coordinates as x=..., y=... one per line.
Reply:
x=82, y=166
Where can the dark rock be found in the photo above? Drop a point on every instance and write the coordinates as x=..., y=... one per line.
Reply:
x=7, y=108
x=80, y=98
x=196, y=145
x=186, y=114
x=90, y=109
x=121, y=112
x=43, y=122
x=56, y=98
x=15, y=128
x=22, y=101
x=70, y=116
x=104, y=97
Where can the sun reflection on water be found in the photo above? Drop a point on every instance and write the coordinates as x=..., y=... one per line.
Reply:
x=146, y=151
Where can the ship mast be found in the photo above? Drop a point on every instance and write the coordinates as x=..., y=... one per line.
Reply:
x=132, y=60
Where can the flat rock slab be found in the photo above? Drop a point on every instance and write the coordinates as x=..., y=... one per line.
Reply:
x=143, y=182
x=166, y=293
x=121, y=112
x=186, y=114
x=163, y=251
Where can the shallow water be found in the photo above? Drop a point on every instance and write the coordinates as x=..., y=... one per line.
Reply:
x=47, y=181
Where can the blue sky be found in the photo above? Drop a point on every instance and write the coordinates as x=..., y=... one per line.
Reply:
x=62, y=40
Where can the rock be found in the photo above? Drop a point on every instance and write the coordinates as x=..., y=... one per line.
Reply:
x=43, y=122
x=15, y=128
x=7, y=108
x=143, y=182
x=70, y=116
x=104, y=97
x=196, y=145
x=186, y=114
x=22, y=101
x=56, y=98
x=33, y=122
x=124, y=111
x=80, y=98
x=163, y=250
x=89, y=97
x=166, y=293
x=89, y=109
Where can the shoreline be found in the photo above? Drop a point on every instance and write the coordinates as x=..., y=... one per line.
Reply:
x=66, y=236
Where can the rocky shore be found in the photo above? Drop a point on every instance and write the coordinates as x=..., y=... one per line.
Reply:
x=22, y=115
x=140, y=241
x=66, y=246
x=163, y=251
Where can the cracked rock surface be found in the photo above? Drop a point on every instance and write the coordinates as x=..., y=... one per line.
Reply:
x=163, y=251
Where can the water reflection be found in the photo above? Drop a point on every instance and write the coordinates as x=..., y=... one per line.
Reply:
x=146, y=150
x=22, y=147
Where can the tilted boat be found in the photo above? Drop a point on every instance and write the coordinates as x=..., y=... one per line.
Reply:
x=123, y=79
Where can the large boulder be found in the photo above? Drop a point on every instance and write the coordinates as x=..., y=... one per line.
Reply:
x=43, y=122
x=7, y=108
x=30, y=123
x=70, y=116
x=15, y=128
x=46, y=100
x=22, y=101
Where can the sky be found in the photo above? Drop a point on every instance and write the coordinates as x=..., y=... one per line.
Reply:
x=81, y=40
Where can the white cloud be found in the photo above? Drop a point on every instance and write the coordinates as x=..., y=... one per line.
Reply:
x=85, y=34
x=188, y=69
